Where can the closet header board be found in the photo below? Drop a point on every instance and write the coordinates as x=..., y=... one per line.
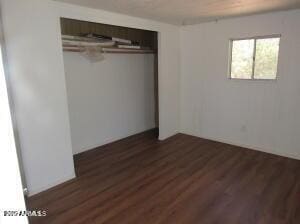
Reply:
x=77, y=28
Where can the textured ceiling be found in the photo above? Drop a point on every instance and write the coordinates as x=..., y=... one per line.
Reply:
x=181, y=12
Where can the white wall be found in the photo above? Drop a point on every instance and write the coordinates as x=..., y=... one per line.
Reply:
x=168, y=57
x=262, y=115
x=32, y=33
x=38, y=85
x=11, y=191
x=110, y=99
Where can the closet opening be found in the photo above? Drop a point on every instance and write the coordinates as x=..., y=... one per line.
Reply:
x=111, y=75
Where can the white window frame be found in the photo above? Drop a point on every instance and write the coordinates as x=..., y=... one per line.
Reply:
x=255, y=38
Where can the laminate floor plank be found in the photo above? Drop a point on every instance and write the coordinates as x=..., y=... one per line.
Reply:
x=184, y=179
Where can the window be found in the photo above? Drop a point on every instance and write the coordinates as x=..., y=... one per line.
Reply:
x=254, y=58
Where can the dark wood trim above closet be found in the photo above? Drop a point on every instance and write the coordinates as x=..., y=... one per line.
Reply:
x=74, y=27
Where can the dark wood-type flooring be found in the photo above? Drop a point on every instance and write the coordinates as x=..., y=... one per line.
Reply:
x=184, y=179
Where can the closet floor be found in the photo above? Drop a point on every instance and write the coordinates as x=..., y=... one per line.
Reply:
x=184, y=179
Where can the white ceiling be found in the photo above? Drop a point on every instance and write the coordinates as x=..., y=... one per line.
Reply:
x=182, y=12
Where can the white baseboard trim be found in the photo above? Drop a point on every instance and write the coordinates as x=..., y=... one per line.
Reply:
x=270, y=151
x=68, y=177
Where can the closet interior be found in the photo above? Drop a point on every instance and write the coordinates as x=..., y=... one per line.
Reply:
x=111, y=80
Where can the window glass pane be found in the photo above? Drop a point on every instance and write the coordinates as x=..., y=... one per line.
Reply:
x=266, y=58
x=242, y=59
